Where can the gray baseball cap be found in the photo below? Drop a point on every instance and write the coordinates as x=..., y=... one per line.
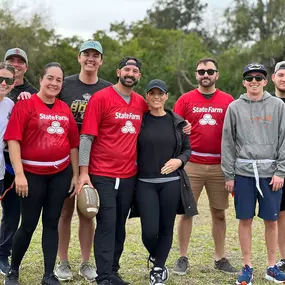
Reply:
x=18, y=52
x=91, y=45
x=279, y=65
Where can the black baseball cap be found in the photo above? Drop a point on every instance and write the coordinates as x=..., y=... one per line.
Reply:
x=157, y=83
x=125, y=62
x=254, y=66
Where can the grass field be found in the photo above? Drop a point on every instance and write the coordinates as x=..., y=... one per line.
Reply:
x=134, y=259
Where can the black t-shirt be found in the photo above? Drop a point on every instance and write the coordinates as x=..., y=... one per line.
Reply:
x=208, y=96
x=156, y=145
x=25, y=87
x=76, y=95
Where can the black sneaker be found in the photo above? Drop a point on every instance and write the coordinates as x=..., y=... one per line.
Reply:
x=155, y=276
x=117, y=279
x=4, y=265
x=225, y=266
x=50, y=280
x=165, y=274
x=12, y=278
x=281, y=265
x=182, y=266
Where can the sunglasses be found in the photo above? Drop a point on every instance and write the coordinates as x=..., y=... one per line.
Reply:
x=257, y=78
x=209, y=71
x=8, y=80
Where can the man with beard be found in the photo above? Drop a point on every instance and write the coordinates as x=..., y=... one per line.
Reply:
x=205, y=109
x=108, y=153
x=278, y=78
x=11, y=205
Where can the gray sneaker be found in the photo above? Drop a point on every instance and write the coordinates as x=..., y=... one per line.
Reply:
x=225, y=266
x=182, y=266
x=63, y=271
x=88, y=271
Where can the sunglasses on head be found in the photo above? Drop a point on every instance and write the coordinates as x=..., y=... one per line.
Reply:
x=8, y=80
x=209, y=71
x=257, y=78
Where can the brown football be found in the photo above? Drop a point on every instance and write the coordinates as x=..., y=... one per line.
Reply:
x=88, y=202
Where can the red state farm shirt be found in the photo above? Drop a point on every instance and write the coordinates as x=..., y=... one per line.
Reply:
x=206, y=117
x=46, y=135
x=116, y=125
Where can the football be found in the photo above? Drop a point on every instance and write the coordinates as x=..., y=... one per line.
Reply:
x=88, y=202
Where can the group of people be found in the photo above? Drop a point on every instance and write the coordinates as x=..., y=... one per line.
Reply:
x=138, y=156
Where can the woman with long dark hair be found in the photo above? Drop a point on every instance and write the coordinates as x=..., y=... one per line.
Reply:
x=43, y=145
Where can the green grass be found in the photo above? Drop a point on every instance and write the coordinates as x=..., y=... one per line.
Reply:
x=134, y=264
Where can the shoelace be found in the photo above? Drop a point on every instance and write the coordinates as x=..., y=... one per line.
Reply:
x=181, y=261
x=87, y=267
x=246, y=270
x=158, y=276
x=65, y=267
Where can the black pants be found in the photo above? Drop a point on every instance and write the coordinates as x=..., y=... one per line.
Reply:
x=157, y=206
x=115, y=201
x=47, y=194
x=10, y=216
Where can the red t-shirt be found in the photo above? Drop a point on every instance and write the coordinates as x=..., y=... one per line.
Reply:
x=206, y=117
x=46, y=135
x=116, y=125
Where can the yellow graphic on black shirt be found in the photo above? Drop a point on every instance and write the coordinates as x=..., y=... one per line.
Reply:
x=78, y=107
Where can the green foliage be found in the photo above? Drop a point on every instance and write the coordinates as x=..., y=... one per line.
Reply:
x=168, y=41
x=177, y=14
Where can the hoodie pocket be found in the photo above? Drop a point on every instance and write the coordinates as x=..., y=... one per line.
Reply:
x=257, y=151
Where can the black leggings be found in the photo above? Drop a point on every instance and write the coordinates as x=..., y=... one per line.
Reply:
x=47, y=193
x=157, y=205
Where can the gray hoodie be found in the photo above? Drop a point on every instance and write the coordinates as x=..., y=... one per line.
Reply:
x=254, y=130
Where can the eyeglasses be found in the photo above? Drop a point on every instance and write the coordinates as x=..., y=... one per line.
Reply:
x=8, y=80
x=257, y=78
x=209, y=71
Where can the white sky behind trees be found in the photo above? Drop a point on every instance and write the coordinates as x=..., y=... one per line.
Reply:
x=83, y=18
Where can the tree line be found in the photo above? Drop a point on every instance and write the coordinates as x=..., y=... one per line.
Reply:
x=169, y=40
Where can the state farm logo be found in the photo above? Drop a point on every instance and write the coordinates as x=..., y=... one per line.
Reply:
x=128, y=128
x=55, y=128
x=207, y=119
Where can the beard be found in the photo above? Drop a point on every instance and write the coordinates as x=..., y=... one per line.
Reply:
x=128, y=84
x=280, y=89
x=206, y=82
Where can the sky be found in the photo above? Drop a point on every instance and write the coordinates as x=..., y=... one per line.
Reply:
x=73, y=17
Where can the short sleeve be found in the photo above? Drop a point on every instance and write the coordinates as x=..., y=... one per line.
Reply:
x=18, y=121
x=178, y=107
x=93, y=116
x=73, y=133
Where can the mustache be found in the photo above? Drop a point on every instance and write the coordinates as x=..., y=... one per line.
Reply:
x=130, y=77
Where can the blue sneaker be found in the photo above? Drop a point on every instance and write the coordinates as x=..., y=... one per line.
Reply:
x=274, y=274
x=246, y=276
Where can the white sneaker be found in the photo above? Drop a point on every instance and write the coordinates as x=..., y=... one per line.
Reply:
x=63, y=271
x=88, y=271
